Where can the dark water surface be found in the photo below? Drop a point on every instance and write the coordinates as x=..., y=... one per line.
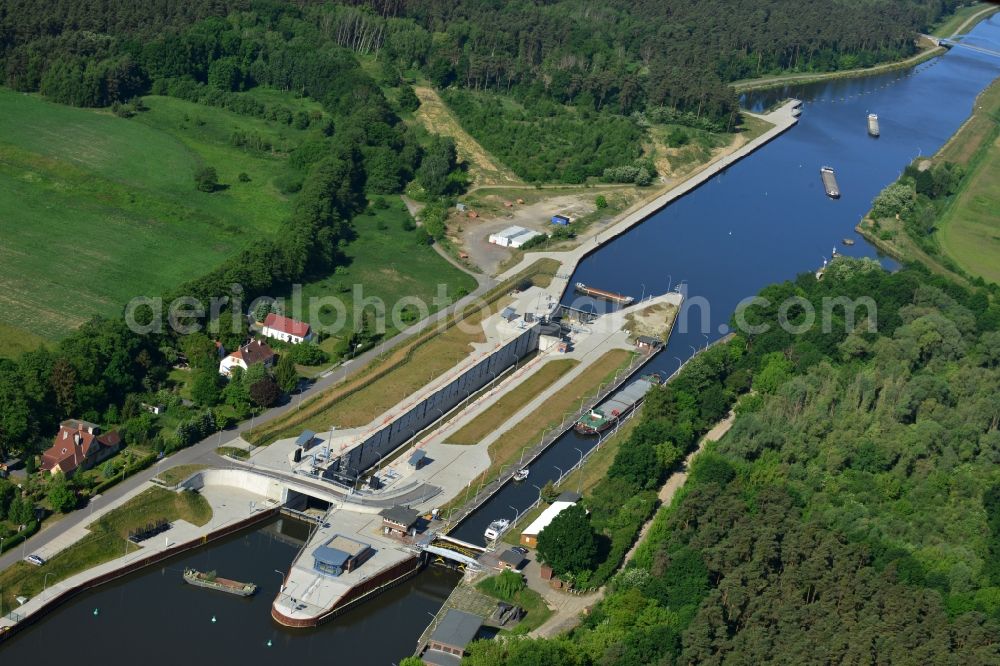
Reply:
x=764, y=220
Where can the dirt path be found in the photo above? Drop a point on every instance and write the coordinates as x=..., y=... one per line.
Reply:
x=438, y=118
x=568, y=607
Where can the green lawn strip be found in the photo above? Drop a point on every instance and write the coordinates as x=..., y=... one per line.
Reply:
x=474, y=431
x=529, y=431
x=537, y=611
x=175, y=475
x=401, y=372
x=106, y=541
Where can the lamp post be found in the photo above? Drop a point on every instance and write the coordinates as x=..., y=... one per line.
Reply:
x=670, y=281
x=45, y=583
x=516, y=512
x=521, y=459
x=579, y=469
x=561, y=474
x=706, y=340
x=281, y=589
x=679, y=362
x=694, y=350
x=643, y=292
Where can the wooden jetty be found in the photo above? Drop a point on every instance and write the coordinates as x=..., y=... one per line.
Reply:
x=830, y=182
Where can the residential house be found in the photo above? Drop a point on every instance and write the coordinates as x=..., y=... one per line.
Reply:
x=79, y=445
x=529, y=537
x=286, y=329
x=247, y=355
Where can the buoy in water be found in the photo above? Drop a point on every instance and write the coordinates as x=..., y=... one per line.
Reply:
x=268, y=642
x=213, y=619
x=96, y=611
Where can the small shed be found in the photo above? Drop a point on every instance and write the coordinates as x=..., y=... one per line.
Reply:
x=450, y=637
x=306, y=440
x=340, y=555
x=561, y=220
x=647, y=343
x=416, y=459
x=399, y=521
x=510, y=559
x=460, y=206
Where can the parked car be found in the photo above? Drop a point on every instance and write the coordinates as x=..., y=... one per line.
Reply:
x=520, y=549
x=37, y=560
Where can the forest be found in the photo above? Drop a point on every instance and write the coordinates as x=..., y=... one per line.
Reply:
x=852, y=514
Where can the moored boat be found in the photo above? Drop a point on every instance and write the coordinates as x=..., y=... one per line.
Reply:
x=873, y=128
x=496, y=528
x=621, y=403
x=612, y=296
x=521, y=474
x=213, y=582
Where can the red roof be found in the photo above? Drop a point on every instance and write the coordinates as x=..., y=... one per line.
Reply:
x=72, y=446
x=282, y=324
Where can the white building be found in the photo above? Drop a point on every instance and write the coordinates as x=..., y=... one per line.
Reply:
x=245, y=356
x=529, y=537
x=513, y=237
x=286, y=329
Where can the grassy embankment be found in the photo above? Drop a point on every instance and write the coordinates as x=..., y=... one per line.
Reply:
x=175, y=475
x=401, y=371
x=968, y=230
x=107, y=540
x=481, y=426
x=959, y=23
x=507, y=448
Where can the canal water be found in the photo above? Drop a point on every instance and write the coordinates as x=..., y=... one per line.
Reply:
x=767, y=218
x=764, y=220
x=153, y=617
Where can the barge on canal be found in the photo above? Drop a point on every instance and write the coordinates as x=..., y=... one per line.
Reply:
x=213, y=582
x=830, y=182
x=621, y=403
x=873, y=129
x=612, y=296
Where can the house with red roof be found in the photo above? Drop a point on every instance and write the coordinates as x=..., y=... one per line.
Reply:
x=79, y=445
x=286, y=329
x=253, y=352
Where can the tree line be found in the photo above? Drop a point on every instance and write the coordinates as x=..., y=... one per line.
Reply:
x=851, y=513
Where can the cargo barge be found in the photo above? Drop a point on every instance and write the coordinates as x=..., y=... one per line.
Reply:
x=830, y=182
x=873, y=125
x=213, y=582
x=621, y=403
x=594, y=292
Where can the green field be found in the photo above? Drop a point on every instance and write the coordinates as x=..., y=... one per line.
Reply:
x=98, y=209
x=970, y=230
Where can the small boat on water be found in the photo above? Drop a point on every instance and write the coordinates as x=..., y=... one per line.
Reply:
x=213, y=582
x=521, y=474
x=621, y=403
x=848, y=241
x=873, y=129
x=830, y=182
x=496, y=528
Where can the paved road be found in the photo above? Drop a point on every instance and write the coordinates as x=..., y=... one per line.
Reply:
x=203, y=452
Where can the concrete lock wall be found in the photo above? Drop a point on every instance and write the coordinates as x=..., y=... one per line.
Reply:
x=236, y=478
x=387, y=439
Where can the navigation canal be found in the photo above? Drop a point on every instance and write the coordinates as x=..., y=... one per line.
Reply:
x=764, y=220
x=767, y=219
x=153, y=617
